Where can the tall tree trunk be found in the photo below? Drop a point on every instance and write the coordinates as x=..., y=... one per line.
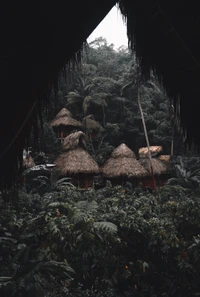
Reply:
x=146, y=136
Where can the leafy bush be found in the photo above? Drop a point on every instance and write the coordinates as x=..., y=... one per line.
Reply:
x=117, y=243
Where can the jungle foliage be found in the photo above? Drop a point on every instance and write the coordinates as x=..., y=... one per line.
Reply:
x=58, y=241
x=106, y=86
x=101, y=243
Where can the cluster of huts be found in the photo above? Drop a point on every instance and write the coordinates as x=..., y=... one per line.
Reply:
x=122, y=166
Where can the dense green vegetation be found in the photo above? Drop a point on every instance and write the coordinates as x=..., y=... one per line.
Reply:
x=58, y=241
x=101, y=243
x=106, y=86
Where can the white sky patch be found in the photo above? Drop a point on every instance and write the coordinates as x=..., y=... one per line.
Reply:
x=112, y=28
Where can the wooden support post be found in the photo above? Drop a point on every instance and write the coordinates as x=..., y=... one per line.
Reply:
x=86, y=183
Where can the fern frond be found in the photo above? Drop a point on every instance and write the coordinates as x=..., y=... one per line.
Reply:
x=87, y=205
x=105, y=226
x=55, y=204
x=59, y=204
x=78, y=217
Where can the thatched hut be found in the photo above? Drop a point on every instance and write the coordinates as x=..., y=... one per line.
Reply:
x=155, y=151
x=164, y=41
x=161, y=171
x=123, y=166
x=64, y=124
x=92, y=127
x=75, y=162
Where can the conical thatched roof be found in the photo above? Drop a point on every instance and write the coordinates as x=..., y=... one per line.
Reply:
x=65, y=121
x=63, y=112
x=74, y=140
x=91, y=125
x=143, y=151
x=76, y=161
x=159, y=167
x=164, y=41
x=123, y=164
x=123, y=151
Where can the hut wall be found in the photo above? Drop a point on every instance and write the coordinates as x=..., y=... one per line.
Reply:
x=83, y=181
x=122, y=181
x=62, y=132
x=117, y=181
x=147, y=182
x=160, y=181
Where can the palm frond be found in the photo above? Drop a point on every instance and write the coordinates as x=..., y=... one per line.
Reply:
x=73, y=95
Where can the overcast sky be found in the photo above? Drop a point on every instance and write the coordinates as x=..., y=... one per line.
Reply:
x=112, y=28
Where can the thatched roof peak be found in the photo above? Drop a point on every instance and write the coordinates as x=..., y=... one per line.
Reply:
x=143, y=151
x=76, y=161
x=74, y=140
x=123, y=151
x=154, y=32
x=64, y=112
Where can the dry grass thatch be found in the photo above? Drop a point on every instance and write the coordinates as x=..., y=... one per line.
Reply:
x=159, y=167
x=123, y=164
x=91, y=125
x=76, y=161
x=65, y=121
x=64, y=112
x=123, y=167
x=74, y=140
x=28, y=162
x=123, y=151
x=149, y=32
x=143, y=151
x=165, y=158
